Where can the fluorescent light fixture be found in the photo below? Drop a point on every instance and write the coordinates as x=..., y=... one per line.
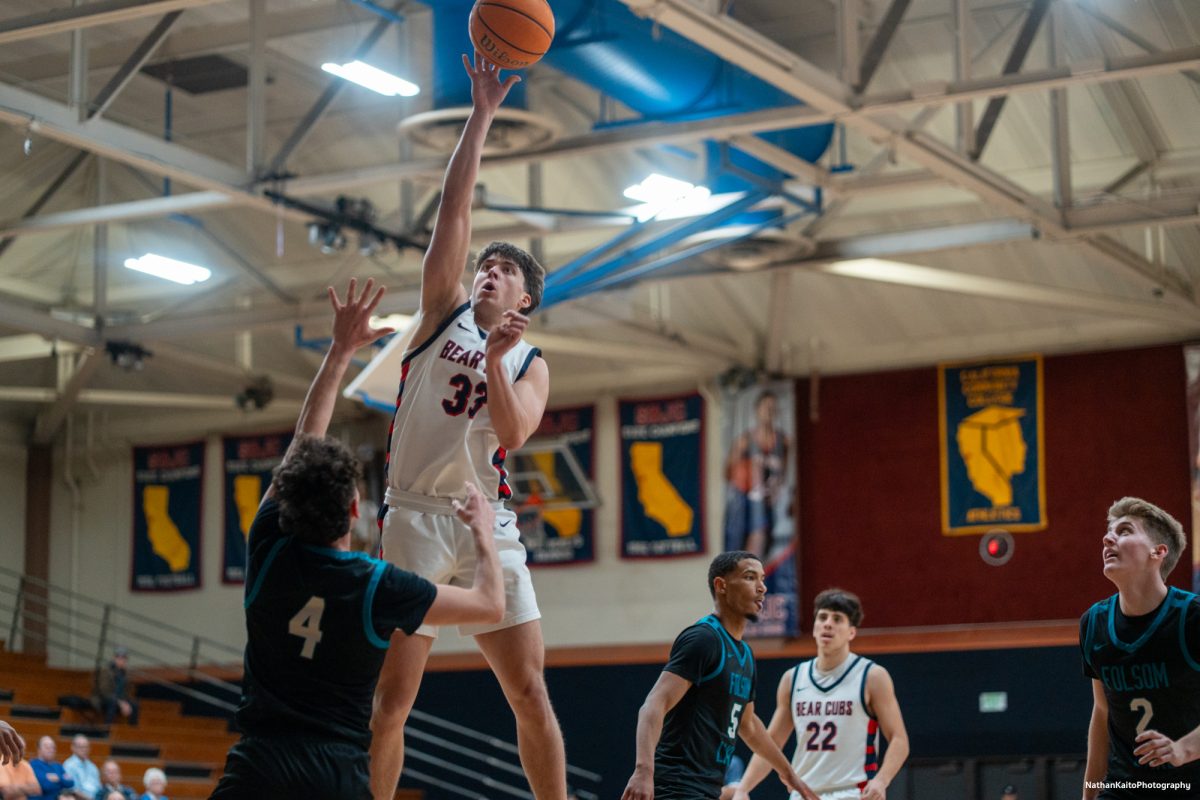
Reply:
x=668, y=198
x=372, y=78
x=398, y=321
x=169, y=269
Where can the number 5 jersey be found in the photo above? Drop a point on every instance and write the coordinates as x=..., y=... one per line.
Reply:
x=837, y=739
x=442, y=434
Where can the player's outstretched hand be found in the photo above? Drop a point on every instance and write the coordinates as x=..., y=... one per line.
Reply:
x=1157, y=749
x=505, y=336
x=12, y=746
x=487, y=91
x=793, y=782
x=477, y=513
x=352, y=319
x=640, y=786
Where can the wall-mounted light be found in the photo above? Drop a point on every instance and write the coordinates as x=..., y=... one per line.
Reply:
x=658, y=193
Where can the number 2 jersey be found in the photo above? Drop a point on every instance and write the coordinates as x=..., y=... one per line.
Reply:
x=442, y=434
x=1150, y=669
x=318, y=621
x=699, y=734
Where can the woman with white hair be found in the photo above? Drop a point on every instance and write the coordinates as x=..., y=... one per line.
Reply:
x=155, y=781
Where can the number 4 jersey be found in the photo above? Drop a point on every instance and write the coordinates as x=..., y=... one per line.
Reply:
x=1150, y=669
x=442, y=434
x=836, y=737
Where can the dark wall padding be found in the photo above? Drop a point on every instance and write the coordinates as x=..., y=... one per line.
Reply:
x=1115, y=425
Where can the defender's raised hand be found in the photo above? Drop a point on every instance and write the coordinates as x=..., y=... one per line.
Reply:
x=352, y=319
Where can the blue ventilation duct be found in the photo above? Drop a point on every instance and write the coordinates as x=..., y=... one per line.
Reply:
x=659, y=74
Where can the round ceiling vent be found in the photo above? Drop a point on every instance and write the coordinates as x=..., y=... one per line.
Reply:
x=513, y=130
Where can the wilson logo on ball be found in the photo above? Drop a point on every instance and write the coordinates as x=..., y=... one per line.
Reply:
x=512, y=34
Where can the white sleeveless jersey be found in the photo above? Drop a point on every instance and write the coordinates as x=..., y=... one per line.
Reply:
x=442, y=434
x=836, y=738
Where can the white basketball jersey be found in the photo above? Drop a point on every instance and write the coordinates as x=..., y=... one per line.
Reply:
x=836, y=737
x=442, y=434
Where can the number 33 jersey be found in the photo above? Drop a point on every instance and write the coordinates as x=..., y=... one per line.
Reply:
x=836, y=736
x=442, y=434
x=1149, y=667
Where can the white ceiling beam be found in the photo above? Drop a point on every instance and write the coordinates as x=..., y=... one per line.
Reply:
x=917, y=276
x=115, y=397
x=1156, y=275
x=128, y=211
x=198, y=40
x=192, y=360
x=30, y=346
x=591, y=348
x=24, y=318
x=22, y=110
x=1180, y=207
x=100, y=12
x=49, y=421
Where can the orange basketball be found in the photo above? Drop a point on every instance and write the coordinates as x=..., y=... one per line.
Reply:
x=512, y=34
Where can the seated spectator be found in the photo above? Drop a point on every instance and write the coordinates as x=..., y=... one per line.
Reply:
x=17, y=780
x=12, y=746
x=80, y=769
x=111, y=691
x=49, y=772
x=155, y=781
x=110, y=778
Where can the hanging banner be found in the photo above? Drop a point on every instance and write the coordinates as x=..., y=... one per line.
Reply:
x=248, y=464
x=992, y=446
x=555, y=528
x=662, y=471
x=758, y=434
x=1191, y=356
x=167, y=501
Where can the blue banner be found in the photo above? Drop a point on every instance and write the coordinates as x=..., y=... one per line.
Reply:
x=758, y=429
x=167, y=501
x=662, y=477
x=562, y=535
x=992, y=446
x=248, y=464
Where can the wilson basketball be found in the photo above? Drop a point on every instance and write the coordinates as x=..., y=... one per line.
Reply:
x=512, y=34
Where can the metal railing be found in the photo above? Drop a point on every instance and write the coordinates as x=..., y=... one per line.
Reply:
x=451, y=758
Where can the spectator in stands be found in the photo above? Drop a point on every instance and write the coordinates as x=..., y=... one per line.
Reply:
x=111, y=692
x=17, y=780
x=80, y=769
x=110, y=774
x=50, y=775
x=155, y=781
x=12, y=746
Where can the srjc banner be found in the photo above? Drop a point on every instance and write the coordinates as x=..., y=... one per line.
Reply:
x=167, y=500
x=248, y=464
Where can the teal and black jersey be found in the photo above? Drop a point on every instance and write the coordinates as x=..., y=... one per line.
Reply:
x=1150, y=669
x=318, y=621
x=700, y=732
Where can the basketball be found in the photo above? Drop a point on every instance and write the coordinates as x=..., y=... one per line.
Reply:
x=512, y=34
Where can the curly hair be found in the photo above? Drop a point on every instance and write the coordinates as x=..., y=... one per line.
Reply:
x=315, y=485
x=533, y=272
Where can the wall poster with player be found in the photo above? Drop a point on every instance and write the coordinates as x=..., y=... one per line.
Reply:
x=758, y=434
x=168, y=486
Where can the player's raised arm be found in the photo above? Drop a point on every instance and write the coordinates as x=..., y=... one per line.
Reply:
x=516, y=408
x=881, y=700
x=779, y=729
x=351, y=331
x=484, y=601
x=441, y=276
x=668, y=690
x=754, y=734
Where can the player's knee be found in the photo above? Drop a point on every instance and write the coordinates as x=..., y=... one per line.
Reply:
x=530, y=700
